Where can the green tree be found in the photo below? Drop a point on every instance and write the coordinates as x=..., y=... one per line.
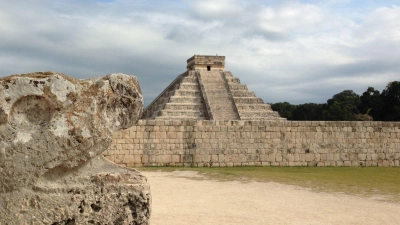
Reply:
x=342, y=107
x=391, y=102
x=308, y=111
x=285, y=109
x=371, y=103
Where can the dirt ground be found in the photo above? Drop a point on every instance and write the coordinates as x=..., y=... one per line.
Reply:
x=179, y=199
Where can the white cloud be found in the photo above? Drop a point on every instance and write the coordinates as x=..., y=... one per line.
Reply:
x=284, y=50
x=212, y=10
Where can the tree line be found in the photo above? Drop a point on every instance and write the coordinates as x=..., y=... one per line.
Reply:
x=348, y=106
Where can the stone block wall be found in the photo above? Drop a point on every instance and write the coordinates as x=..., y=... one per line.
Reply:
x=258, y=143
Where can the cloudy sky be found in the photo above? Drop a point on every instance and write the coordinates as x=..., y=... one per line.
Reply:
x=296, y=51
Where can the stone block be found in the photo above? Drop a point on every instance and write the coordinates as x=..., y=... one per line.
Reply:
x=271, y=157
x=214, y=158
x=387, y=163
x=128, y=159
x=296, y=157
x=310, y=157
x=171, y=134
x=355, y=163
x=381, y=156
x=312, y=163
x=302, y=157
x=137, y=159
x=362, y=157
x=339, y=163
x=264, y=158
x=344, y=156
x=153, y=159
x=221, y=158
x=317, y=157
x=323, y=157
x=164, y=159
x=298, y=163
x=145, y=159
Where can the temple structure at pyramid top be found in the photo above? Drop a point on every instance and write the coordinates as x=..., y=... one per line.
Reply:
x=206, y=62
x=207, y=92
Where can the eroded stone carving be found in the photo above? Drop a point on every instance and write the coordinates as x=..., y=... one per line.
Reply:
x=52, y=131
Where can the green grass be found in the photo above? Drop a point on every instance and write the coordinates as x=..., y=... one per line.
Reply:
x=368, y=181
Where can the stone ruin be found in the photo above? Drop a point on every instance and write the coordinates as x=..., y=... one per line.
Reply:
x=53, y=130
x=206, y=91
x=206, y=117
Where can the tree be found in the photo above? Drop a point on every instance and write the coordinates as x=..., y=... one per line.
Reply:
x=371, y=103
x=342, y=107
x=285, y=109
x=391, y=102
x=308, y=111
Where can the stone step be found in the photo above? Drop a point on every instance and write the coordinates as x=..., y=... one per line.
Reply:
x=180, y=118
x=187, y=93
x=219, y=101
x=185, y=106
x=262, y=118
x=228, y=74
x=266, y=118
x=223, y=108
x=258, y=114
x=217, y=91
x=213, y=77
x=236, y=87
x=233, y=80
x=189, y=86
x=213, y=84
x=253, y=107
x=187, y=99
x=243, y=93
x=187, y=113
x=189, y=79
x=248, y=100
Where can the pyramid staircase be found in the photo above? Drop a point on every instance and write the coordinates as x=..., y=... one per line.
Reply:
x=182, y=100
x=215, y=90
x=248, y=105
x=208, y=94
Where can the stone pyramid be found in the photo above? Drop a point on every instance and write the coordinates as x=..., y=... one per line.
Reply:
x=207, y=92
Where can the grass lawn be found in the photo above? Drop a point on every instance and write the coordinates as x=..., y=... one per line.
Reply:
x=367, y=181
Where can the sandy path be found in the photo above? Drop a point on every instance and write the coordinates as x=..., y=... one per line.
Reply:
x=179, y=200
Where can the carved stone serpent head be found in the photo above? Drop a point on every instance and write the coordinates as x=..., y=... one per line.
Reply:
x=49, y=120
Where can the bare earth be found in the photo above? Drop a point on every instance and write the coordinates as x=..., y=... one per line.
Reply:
x=179, y=199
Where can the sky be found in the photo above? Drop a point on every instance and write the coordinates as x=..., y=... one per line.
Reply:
x=295, y=51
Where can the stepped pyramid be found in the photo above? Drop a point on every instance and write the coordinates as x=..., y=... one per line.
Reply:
x=207, y=92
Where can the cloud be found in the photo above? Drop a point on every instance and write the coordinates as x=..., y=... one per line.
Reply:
x=295, y=51
x=207, y=10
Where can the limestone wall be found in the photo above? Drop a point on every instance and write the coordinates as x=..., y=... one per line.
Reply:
x=261, y=143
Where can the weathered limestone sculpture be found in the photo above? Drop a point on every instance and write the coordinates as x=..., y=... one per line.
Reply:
x=52, y=131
